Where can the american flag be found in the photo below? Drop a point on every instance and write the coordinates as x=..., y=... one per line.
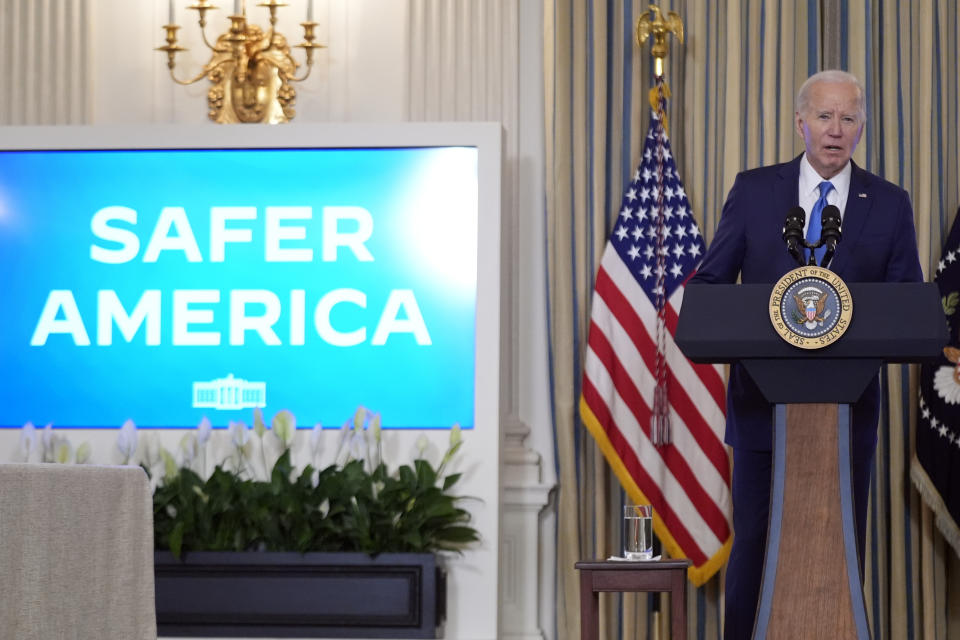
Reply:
x=671, y=457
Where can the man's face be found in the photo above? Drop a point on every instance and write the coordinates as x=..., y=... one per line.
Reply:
x=830, y=126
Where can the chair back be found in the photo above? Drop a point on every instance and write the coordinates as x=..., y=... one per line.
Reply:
x=76, y=553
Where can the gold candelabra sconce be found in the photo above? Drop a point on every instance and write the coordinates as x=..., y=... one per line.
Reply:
x=251, y=72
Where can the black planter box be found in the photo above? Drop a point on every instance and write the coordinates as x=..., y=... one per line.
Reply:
x=322, y=595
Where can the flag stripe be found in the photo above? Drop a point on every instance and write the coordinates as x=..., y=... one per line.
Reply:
x=644, y=481
x=633, y=297
x=621, y=370
x=642, y=379
x=708, y=388
x=643, y=383
x=679, y=399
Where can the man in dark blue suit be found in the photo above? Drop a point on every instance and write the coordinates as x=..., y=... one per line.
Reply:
x=878, y=245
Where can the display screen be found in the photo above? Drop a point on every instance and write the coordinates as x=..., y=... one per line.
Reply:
x=168, y=285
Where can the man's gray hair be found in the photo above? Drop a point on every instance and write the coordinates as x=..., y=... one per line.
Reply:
x=836, y=76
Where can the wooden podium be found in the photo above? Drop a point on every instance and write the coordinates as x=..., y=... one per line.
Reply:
x=811, y=577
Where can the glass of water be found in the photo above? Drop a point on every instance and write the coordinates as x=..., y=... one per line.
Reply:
x=638, y=532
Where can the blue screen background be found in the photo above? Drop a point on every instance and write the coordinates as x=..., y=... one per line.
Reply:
x=423, y=202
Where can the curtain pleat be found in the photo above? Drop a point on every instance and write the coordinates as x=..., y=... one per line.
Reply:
x=734, y=81
x=44, y=54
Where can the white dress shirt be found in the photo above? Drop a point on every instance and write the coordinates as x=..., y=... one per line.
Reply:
x=809, y=189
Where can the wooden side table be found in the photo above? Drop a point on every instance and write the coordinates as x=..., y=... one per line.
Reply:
x=611, y=575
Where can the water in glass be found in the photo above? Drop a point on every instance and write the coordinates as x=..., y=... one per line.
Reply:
x=638, y=532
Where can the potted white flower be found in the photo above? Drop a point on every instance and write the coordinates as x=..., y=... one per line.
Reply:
x=319, y=537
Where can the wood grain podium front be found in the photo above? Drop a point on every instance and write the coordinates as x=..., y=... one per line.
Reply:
x=622, y=576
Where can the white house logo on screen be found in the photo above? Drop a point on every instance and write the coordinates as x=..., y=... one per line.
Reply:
x=229, y=394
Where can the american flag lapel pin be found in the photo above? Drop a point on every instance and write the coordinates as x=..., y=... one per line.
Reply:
x=861, y=195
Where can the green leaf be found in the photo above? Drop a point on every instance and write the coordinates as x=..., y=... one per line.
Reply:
x=950, y=303
x=459, y=534
x=176, y=539
x=407, y=476
x=425, y=473
x=450, y=480
x=169, y=464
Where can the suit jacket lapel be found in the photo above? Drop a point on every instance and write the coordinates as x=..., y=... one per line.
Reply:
x=859, y=201
x=786, y=196
x=786, y=193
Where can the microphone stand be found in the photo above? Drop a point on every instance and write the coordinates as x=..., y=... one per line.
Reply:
x=812, y=262
x=828, y=255
x=794, y=249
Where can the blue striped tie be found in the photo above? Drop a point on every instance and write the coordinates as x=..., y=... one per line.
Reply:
x=813, y=229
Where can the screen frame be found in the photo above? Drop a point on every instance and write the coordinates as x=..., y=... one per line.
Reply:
x=473, y=578
x=486, y=137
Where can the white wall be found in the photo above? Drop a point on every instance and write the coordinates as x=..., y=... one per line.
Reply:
x=387, y=61
x=360, y=76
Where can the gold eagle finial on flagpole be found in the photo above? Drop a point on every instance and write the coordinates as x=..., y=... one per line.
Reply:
x=659, y=27
x=653, y=22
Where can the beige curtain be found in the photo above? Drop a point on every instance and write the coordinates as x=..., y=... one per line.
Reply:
x=907, y=54
x=734, y=80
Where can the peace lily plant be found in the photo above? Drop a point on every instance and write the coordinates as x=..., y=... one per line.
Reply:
x=255, y=498
x=51, y=446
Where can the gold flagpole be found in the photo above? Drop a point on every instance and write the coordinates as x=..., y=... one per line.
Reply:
x=654, y=23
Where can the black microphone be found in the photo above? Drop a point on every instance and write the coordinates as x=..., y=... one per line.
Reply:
x=830, y=233
x=793, y=232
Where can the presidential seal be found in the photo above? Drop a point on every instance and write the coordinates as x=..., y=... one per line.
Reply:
x=810, y=307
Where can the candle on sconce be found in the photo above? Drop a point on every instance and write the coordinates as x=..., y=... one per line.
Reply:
x=309, y=10
x=237, y=9
x=171, y=18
